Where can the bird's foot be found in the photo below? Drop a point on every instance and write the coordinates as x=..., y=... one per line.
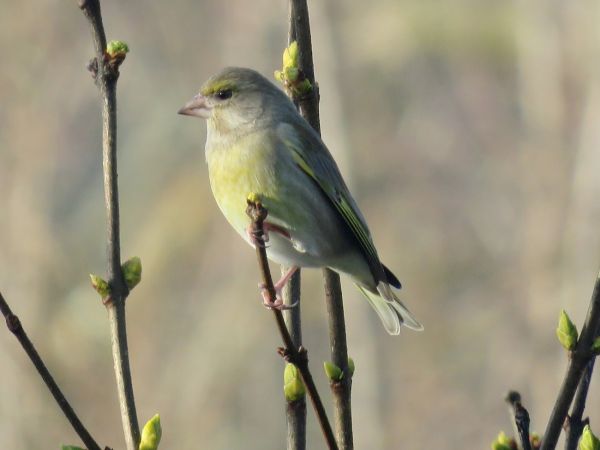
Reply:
x=274, y=304
x=266, y=228
x=278, y=302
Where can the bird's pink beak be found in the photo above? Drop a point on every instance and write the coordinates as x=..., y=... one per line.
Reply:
x=196, y=107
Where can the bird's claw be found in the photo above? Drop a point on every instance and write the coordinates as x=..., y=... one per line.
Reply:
x=254, y=239
x=274, y=304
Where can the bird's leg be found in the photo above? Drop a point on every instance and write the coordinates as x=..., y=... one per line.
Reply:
x=278, y=302
x=266, y=228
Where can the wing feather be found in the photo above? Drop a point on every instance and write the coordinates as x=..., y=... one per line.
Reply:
x=312, y=157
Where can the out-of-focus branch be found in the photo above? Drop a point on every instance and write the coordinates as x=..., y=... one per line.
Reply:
x=579, y=359
x=308, y=105
x=292, y=354
x=300, y=31
x=342, y=386
x=105, y=69
x=575, y=421
x=14, y=325
x=295, y=408
x=520, y=419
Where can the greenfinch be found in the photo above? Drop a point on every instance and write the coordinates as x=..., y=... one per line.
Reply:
x=257, y=143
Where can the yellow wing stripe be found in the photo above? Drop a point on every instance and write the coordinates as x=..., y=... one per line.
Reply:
x=342, y=206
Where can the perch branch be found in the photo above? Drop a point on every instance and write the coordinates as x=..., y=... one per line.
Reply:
x=105, y=70
x=14, y=325
x=295, y=355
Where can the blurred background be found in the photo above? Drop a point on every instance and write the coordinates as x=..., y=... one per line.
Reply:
x=468, y=132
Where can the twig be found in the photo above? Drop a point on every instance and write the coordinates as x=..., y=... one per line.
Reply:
x=14, y=325
x=295, y=355
x=309, y=108
x=575, y=421
x=296, y=409
x=520, y=418
x=579, y=359
x=339, y=355
x=300, y=25
x=106, y=72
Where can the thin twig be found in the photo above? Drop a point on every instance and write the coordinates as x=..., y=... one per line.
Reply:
x=575, y=421
x=339, y=356
x=295, y=409
x=308, y=103
x=580, y=357
x=14, y=325
x=520, y=418
x=106, y=73
x=295, y=355
x=309, y=108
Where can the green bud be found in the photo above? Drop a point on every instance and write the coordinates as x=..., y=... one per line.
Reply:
x=293, y=387
x=253, y=198
x=502, y=442
x=351, y=366
x=70, y=447
x=114, y=48
x=596, y=346
x=100, y=285
x=566, y=331
x=304, y=87
x=291, y=74
x=290, y=56
x=535, y=440
x=588, y=440
x=132, y=271
x=151, y=434
x=333, y=372
x=278, y=74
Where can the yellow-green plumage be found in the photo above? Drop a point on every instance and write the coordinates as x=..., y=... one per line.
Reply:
x=258, y=143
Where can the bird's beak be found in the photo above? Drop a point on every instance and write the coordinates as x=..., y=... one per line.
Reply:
x=197, y=107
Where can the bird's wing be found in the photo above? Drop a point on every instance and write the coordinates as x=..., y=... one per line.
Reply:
x=312, y=157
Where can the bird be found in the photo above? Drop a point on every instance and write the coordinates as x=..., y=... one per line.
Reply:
x=257, y=143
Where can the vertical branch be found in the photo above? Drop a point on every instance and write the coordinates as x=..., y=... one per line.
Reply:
x=105, y=69
x=339, y=356
x=14, y=325
x=296, y=409
x=309, y=108
x=579, y=359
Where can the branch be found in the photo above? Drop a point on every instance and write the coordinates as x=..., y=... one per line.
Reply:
x=309, y=109
x=295, y=409
x=580, y=357
x=575, y=422
x=300, y=31
x=520, y=418
x=342, y=386
x=295, y=355
x=105, y=69
x=15, y=327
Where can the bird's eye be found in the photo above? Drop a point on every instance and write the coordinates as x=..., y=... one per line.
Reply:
x=224, y=94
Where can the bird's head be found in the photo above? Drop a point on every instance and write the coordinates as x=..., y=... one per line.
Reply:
x=235, y=97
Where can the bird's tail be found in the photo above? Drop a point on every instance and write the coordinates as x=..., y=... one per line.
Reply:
x=390, y=309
